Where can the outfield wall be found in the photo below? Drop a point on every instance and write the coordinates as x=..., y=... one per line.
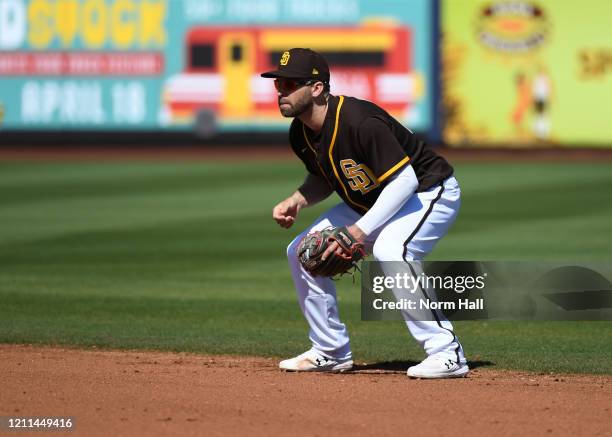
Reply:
x=170, y=65
x=504, y=73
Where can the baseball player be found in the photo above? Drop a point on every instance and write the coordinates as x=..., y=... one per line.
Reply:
x=398, y=199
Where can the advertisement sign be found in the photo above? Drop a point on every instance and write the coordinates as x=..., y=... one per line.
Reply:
x=71, y=64
x=527, y=72
x=178, y=64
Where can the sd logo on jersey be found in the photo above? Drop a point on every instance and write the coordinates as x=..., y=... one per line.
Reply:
x=359, y=176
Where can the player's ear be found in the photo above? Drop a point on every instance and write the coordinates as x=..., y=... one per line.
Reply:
x=317, y=89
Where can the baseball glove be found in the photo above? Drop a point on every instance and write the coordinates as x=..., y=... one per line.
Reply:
x=313, y=246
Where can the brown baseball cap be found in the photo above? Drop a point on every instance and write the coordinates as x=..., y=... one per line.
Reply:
x=298, y=63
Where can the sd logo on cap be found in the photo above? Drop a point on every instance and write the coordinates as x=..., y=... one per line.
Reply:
x=305, y=64
x=285, y=58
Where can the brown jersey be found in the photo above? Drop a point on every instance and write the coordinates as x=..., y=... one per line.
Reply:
x=359, y=147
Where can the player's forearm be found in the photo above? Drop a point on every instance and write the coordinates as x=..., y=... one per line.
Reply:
x=313, y=190
x=390, y=200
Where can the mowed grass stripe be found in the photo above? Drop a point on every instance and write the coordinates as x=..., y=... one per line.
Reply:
x=145, y=207
x=118, y=181
x=255, y=327
x=185, y=256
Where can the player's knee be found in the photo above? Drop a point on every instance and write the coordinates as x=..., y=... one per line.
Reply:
x=413, y=256
x=291, y=251
x=292, y=247
x=413, y=253
x=384, y=250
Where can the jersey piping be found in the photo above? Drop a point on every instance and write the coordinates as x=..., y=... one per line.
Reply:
x=331, y=158
x=393, y=169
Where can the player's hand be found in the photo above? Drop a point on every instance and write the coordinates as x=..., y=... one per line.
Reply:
x=286, y=212
x=356, y=233
x=333, y=247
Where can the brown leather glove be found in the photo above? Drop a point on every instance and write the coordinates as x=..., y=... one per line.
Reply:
x=313, y=246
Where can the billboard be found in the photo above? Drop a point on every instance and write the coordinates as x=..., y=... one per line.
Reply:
x=175, y=64
x=527, y=72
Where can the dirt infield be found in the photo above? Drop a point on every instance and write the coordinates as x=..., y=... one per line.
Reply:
x=152, y=393
x=278, y=153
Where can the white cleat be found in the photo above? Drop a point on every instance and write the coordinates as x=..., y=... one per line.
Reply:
x=438, y=366
x=313, y=361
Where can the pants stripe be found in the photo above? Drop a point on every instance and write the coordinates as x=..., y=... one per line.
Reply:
x=431, y=205
x=433, y=312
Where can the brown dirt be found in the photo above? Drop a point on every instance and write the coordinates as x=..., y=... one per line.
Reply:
x=280, y=153
x=151, y=393
x=154, y=154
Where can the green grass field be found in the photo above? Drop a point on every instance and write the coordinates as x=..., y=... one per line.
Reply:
x=184, y=256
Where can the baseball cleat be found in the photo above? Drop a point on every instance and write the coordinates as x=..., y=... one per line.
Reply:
x=313, y=361
x=438, y=366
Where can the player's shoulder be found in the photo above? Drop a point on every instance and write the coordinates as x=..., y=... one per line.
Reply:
x=358, y=108
x=361, y=114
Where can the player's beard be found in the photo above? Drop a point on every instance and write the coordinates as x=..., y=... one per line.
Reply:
x=296, y=109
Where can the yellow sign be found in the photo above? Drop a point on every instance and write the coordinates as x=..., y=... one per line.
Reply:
x=121, y=24
x=527, y=72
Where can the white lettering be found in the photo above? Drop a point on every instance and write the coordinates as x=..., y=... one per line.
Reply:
x=129, y=103
x=202, y=10
x=50, y=98
x=69, y=102
x=476, y=304
x=12, y=23
x=426, y=304
x=377, y=284
x=376, y=303
x=402, y=304
x=70, y=107
x=30, y=103
x=253, y=10
x=322, y=10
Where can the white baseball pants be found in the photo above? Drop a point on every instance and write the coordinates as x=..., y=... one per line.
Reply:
x=408, y=236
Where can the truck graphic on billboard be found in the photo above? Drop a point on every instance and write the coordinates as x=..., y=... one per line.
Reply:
x=221, y=84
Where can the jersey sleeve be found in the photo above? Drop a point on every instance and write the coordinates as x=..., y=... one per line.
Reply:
x=382, y=152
